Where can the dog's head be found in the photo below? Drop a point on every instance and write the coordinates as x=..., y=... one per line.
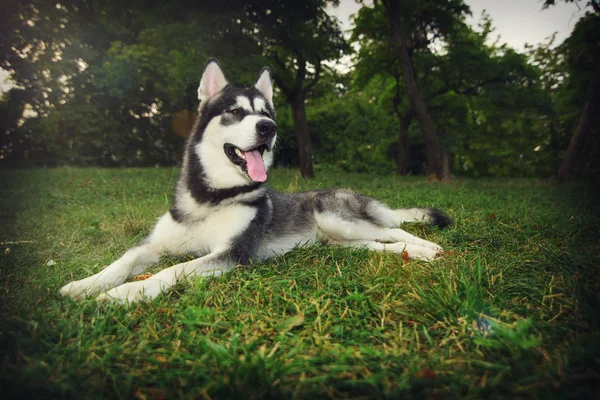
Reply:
x=236, y=132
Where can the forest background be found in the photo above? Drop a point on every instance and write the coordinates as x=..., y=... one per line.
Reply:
x=410, y=89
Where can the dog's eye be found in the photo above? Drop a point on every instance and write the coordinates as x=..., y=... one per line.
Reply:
x=235, y=111
x=266, y=114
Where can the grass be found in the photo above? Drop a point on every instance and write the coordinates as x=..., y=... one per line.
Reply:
x=511, y=311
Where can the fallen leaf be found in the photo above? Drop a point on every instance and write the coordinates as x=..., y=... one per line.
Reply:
x=426, y=373
x=142, y=277
x=405, y=257
x=50, y=263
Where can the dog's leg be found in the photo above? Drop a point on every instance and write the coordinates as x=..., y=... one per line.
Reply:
x=413, y=251
x=340, y=230
x=167, y=236
x=213, y=264
x=393, y=235
x=133, y=262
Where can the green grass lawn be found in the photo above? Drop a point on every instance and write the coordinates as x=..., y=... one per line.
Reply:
x=512, y=309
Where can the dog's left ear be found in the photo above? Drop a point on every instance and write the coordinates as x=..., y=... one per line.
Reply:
x=213, y=80
x=264, y=84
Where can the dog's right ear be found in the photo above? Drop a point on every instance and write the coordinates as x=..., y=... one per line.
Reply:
x=213, y=80
x=264, y=84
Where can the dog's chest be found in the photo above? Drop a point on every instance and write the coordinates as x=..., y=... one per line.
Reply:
x=219, y=227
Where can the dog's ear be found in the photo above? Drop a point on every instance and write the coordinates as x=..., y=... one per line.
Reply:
x=213, y=80
x=264, y=84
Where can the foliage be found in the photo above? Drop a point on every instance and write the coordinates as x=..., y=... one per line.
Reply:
x=101, y=82
x=595, y=4
x=297, y=37
x=510, y=311
x=485, y=99
x=353, y=135
x=12, y=106
x=566, y=74
x=582, y=58
x=56, y=55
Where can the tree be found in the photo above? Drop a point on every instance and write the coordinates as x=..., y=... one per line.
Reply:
x=583, y=61
x=12, y=105
x=461, y=76
x=414, y=25
x=582, y=52
x=595, y=4
x=54, y=51
x=298, y=37
x=295, y=38
x=137, y=63
x=375, y=59
x=105, y=78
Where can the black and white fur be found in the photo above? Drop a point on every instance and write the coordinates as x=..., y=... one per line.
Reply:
x=225, y=217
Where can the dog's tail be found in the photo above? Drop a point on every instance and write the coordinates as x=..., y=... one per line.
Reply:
x=390, y=218
x=438, y=218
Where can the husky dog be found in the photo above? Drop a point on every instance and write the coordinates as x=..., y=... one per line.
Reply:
x=225, y=215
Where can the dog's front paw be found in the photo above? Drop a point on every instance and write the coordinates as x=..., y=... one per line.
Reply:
x=132, y=292
x=81, y=289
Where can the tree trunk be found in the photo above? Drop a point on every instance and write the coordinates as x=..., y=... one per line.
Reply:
x=303, y=137
x=573, y=151
x=554, y=148
x=434, y=156
x=446, y=166
x=402, y=162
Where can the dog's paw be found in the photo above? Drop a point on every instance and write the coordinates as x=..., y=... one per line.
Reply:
x=415, y=252
x=429, y=245
x=424, y=254
x=133, y=292
x=81, y=289
x=426, y=244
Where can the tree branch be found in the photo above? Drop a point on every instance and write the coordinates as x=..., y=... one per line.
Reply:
x=473, y=89
x=301, y=73
x=314, y=81
x=443, y=89
x=470, y=90
x=287, y=91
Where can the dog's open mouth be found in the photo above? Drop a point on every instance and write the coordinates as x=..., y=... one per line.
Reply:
x=250, y=161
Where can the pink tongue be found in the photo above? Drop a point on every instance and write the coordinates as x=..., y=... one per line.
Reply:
x=256, y=166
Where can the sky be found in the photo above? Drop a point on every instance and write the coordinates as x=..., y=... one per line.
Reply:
x=523, y=21
x=4, y=84
x=516, y=21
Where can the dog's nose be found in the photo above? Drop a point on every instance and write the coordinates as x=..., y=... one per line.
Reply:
x=266, y=128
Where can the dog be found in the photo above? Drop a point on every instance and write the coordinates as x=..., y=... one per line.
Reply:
x=224, y=214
